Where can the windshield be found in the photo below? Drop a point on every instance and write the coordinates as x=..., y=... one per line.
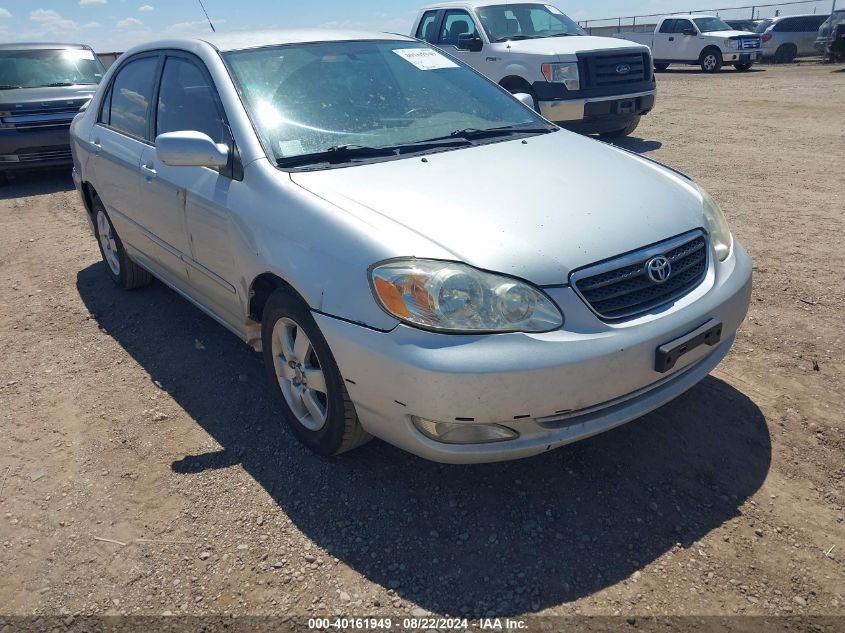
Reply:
x=525, y=21
x=310, y=99
x=709, y=25
x=765, y=24
x=53, y=67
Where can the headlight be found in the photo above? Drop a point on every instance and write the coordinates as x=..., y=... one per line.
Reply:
x=453, y=297
x=734, y=44
x=565, y=73
x=717, y=227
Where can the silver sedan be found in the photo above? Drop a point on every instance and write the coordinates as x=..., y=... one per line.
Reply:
x=418, y=255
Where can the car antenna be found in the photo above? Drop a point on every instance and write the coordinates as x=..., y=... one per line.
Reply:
x=206, y=16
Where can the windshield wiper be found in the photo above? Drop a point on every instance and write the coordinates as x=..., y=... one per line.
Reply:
x=9, y=87
x=59, y=84
x=564, y=35
x=337, y=154
x=472, y=134
x=515, y=38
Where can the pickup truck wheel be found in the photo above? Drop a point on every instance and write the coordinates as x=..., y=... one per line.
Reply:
x=786, y=54
x=123, y=271
x=4, y=179
x=625, y=131
x=743, y=67
x=304, y=375
x=661, y=67
x=711, y=61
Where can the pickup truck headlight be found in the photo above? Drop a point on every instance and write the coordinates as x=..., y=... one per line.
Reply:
x=456, y=298
x=565, y=73
x=717, y=226
x=732, y=44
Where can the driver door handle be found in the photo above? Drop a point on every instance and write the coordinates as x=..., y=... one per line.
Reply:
x=149, y=171
x=96, y=147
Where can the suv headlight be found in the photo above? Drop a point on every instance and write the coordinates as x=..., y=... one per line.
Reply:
x=565, y=73
x=454, y=297
x=717, y=227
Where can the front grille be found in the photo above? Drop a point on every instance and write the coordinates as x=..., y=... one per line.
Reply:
x=39, y=120
x=607, y=69
x=749, y=42
x=621, y=288
x=44, y=155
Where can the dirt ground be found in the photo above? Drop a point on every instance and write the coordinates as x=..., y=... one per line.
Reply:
x=143, y=469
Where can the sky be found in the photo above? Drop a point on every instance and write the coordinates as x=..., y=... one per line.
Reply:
x=115, y=25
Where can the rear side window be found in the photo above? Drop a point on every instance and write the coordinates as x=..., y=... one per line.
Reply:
x=668, y=26
x=129, y=99
x=426, y=29
x=188, y=101
x=455, y=24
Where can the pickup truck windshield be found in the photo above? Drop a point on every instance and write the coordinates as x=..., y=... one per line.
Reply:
x=50, y=67
x=525, y=21
x=711, y=25
x=363, y=100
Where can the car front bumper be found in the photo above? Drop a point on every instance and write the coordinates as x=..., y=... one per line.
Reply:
x=742, y=57
x=553, y=388
x=598, y=114
x=34, y=148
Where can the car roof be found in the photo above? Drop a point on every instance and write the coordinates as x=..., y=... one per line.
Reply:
x=35, y=46
x=472, y=4
x=690, y=16
x=780, y=18
x=240, y=40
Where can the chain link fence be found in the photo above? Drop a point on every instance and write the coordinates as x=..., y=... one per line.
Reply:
x=647, y=23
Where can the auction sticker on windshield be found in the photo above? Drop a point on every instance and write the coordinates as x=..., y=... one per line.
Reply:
x=425, y=58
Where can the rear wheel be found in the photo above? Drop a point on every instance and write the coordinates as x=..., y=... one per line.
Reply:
x=625, y=131
x=661, y=67
x=711, y=60
x=786, y=54
x=743, y=67
x=122, y=270
x=303, y=372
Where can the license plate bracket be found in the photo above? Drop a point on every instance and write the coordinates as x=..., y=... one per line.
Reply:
x=670, y=353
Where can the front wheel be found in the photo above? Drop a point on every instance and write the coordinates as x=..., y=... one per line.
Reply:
x=711, y=61
x=303, y=373
x=743, y=67
x=625, y=131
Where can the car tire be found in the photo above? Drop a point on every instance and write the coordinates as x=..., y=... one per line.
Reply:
x=4, y=179
x=321, y=414
x=625, y=131
x=786, y=54
x=711, y=60
x=123, y=271
x=661, y=67
x=743, y=67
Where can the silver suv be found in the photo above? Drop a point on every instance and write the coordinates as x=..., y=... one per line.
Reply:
x=787, y=37
x=418, y=255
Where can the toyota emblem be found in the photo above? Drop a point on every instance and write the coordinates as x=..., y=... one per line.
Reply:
x=658, y=269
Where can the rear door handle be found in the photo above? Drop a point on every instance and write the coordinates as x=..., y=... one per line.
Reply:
x=96, y=146
x=671, y=39
x=149, y=171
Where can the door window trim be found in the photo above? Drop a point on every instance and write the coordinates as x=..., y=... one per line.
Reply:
x=442, y=21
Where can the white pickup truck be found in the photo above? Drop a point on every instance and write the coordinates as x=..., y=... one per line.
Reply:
x=703, y=40
x=592, y=85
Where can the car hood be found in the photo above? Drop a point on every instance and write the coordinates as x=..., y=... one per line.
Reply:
x=728, y=34
x=568, y=45
x=535, y=210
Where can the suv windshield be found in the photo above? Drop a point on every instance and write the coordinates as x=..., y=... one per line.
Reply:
x=49, y=67
x=525, y=21
x=369, y=99
x=710, y=25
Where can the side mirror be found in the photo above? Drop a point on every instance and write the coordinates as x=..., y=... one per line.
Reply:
x=191, y=149
x=525, y=98
x=690, y=32
x=469, y=42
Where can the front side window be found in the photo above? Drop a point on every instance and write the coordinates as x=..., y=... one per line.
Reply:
x=711, y=25
x=427, y=25
x=187, y=101
x=681, y=26
x=131, y=94
x=525, y=21
x=306, y=99
x=53, y=67
x=455, y=24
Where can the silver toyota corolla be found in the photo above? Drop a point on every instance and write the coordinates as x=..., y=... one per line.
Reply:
x=419, y=255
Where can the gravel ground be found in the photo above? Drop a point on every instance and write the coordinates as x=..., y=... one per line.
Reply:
x=143, y=470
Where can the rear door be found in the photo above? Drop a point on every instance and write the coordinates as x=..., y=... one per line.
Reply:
x=663, y=47
x=117, y=142
x=192, y=202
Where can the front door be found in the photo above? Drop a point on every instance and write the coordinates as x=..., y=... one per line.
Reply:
x=457, y=22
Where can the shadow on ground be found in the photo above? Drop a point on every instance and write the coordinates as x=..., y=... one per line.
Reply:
x=636, y=145
x=36, y=183
x=695, y=70
x=506, y=538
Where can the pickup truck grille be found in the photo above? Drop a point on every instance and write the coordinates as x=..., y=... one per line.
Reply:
x=44, y=154
x=621, y=288
x=619, y=68
x=746, y=43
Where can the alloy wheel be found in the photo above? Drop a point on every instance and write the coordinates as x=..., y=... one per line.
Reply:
x=108, y=243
